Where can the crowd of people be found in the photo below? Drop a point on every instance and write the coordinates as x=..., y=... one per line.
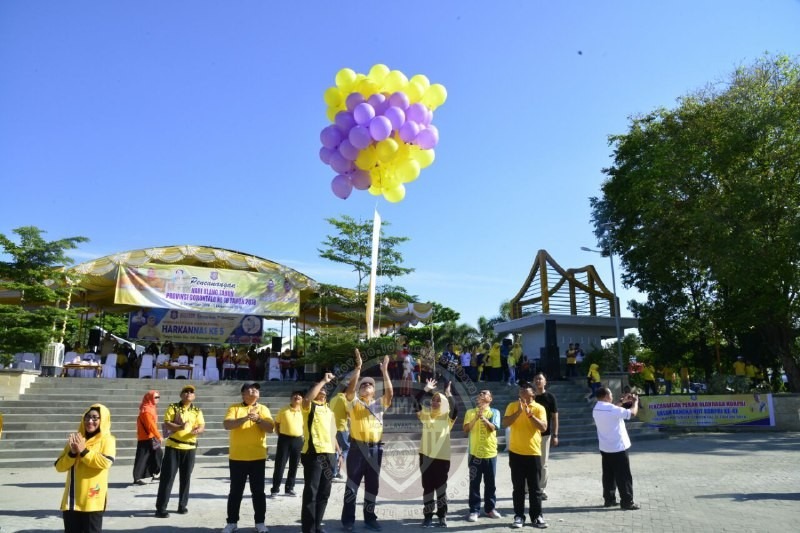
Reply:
x=343, y=437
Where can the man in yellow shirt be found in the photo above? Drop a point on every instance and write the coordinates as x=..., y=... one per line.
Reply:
x=649, y=377
x=366, y=448
x=527, y=419
x=248, y=423
x=289, y=427
x=481, y=424
x=318, y=455
x=185, y=422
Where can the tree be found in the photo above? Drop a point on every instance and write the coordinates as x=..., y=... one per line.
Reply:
x=352, y=246
x=702, y=205
x=36, y=271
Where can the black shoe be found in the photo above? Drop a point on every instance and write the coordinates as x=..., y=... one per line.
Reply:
x=183, y=510
x=544, y=496
x=442, y=522
x=428, y=522
x=610, y=503
x=373, y=525
x=162, y=514
x=290, y=493
x=140, y=482
x=633, y=506
x=347, y=527
x=273, y=493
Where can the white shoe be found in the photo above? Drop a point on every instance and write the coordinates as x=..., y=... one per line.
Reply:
x=230, y=528
x=262, y=528
x=472, y=517
x=493, y=514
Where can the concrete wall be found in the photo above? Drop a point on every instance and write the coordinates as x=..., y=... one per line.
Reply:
x=14, y=382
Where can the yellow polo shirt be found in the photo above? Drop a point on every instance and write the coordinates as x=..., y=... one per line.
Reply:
x=340, y=411
x=291, y=421
x=482, y=442
x=323, y=429
x=525, y=438
x=248, y=442
x=366, y=422
x=192, y=416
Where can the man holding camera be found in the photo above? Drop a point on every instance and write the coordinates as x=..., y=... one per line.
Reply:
x=614, y=443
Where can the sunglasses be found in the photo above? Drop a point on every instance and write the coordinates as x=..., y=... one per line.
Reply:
x=156, y=397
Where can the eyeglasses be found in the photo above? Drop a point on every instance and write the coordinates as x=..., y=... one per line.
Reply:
x=156, y=397
x=92, y=418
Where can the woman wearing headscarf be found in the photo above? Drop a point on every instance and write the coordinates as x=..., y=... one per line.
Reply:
x=148, y=446
x=86, y=459
x=437, y=412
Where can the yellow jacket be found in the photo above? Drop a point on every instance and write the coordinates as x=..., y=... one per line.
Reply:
x=86, y=489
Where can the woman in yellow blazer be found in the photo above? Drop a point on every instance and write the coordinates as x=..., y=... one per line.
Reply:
x=86, y=459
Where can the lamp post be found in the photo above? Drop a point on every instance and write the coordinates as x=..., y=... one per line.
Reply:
x=615, y=303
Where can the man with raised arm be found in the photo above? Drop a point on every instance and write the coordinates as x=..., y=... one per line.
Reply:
x=366, y=448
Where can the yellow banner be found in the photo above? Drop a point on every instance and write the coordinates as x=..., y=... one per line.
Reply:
x=707, y=410
x=208, y=290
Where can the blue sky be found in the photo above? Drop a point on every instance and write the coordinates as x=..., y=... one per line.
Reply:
x=147, y=123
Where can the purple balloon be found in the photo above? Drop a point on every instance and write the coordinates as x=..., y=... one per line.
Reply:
x=408, y=131
x=360, y=137
x=352, y=100
x=428, y=117
x=330, y=137
x=339, y=163
x=344, y=121
x=376, y=99
x=325, y=155
x=428, y=138
x=341, y=187
x=399, y=99
x=396, y=116
x=380, y=128
x=416, y=112
x=363, y=113
x=361, y=180
x=348, y=151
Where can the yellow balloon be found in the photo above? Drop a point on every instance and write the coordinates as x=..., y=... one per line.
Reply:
x=414, y=91
x=435, y=96
x=345, y=78
x=423, y=157
x=367, y=158
x=331, y=113
x=374, y=190
x=333, y=97
x=422, y=80
x=378, y=72
x=387, y=149
x=367, y=87
x=408, y=171
x=395, y=194
x=404, y=151
x=390, y=180
x=395, y=81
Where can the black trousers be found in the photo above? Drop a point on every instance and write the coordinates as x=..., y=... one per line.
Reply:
x=525, y=473
x=288, y=449
x=148, y=461
x=486, y=469
x=175, y=461
x=617, y=475
x=83, y=522
x=434, y=482
x=240, y=472
x=363, y=462
x=318, y=475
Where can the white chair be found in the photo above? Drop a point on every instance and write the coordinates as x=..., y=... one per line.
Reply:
x=161, y=359
x=183, y=374
x=146, y=366
x=274, y=369
x=110, y=366
x=228, y=370
x=212, y=372
x=197, y=363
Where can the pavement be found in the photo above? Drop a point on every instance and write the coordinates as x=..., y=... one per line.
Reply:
x=720, y=482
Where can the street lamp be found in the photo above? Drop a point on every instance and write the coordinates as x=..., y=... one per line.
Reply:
x=615, y=304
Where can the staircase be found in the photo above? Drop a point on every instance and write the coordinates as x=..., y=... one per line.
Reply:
x=36, y=425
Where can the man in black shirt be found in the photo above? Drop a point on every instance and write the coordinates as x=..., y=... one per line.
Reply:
x=548, y=400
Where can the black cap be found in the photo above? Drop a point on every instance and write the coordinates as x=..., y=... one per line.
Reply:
x=253, y=385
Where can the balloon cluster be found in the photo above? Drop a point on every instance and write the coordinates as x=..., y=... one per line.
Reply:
x=382, y=134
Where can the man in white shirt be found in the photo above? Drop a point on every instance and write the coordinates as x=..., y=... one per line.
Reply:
x=614, y=443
